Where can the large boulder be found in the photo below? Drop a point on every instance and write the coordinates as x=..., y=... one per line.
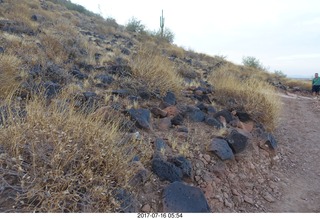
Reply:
x=237, y=141
x=165, y=170
x=221, y=148
x=178, y=197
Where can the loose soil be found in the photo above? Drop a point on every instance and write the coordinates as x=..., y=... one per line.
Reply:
x=298, y=168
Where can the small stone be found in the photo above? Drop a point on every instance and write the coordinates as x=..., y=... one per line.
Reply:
x=235, y=192
x=157, y=112
x=208, y=191
x=248, y=200
x=207, y=157
x=146, y=208
x=228, y=204
x=171, y=111
x=197, y=178
x=267, y=196
x=198, y=172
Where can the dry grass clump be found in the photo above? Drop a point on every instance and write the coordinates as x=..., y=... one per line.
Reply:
x=10, y=74
x=62, y=160
x=302, y=84
x=155, y=71
x=256, y=97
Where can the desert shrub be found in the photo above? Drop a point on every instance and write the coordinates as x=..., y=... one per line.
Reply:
x=253, y=62
x=280, y=74
x=112, y=22
x=167, y=35
x=155, y=71
x=64, y=161
x=135, y=25
x=256, y=97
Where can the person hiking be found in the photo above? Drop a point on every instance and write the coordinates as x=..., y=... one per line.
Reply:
x=315, y=84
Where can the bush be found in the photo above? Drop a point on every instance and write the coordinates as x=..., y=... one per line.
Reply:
x=253, y=62
x=135, y=25
x=256, y=97
x=63, y=161
x=168, y=35
x=280, y=74
x=155, y=71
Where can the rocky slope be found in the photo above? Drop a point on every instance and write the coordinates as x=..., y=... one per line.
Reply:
x=194, y=155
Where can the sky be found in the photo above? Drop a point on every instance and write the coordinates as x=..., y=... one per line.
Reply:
x=283, y=35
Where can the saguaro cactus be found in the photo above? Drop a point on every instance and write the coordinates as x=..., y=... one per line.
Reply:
x=161, y=24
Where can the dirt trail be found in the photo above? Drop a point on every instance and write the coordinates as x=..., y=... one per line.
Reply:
x=298, y=170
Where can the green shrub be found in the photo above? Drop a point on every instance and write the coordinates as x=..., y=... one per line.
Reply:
x=253, y=62
x=135, y=25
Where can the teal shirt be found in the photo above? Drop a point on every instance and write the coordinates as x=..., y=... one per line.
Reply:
x=316, y=81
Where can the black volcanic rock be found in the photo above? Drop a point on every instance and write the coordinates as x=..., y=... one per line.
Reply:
x=178, y=197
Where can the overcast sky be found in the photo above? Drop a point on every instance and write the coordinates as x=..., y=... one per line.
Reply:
x=283, y=34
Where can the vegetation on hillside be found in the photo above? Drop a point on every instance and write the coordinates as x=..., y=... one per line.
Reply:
x=59, y=64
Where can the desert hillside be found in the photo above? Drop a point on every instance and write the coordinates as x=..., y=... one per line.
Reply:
x=101, y=117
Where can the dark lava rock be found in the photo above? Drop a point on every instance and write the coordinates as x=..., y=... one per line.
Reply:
x=243, y=116
x=37, y=17
x=51, y=89
x=160, y=144
x=86, y=67
x=237, y=141
x=165, y=170
x=178, y=197
x=211, y=110
x=105, y=79
x=177, y=120
x=183, y=164
x=35, y=70
x=170, y=98
x=141, y=116
x=194, y=114
x=125, y=51
x=77, y=74
x=121, y=92
x=127, y=201
x=226, y=114
x=120, y=70
x=182, y=129
x=213, y=122
x=145, y=95
x=270, y=141
x=221, y=148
